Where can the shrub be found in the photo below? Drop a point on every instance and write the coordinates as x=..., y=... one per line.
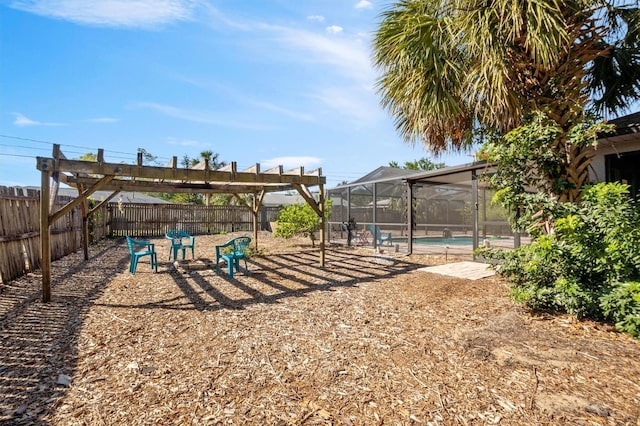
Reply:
x=300, y=219
x=622, y=305
x=589, y=266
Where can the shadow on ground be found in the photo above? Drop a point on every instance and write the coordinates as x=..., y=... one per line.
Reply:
x=39, y=354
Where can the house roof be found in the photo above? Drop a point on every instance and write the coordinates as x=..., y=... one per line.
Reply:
x=627, y=124
x=274, y=199
x=381, y=174
x=627, y=130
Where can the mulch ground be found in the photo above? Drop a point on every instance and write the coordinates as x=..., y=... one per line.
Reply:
x=368, y=340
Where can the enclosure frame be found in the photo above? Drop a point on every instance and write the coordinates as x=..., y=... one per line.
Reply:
x=468, y=177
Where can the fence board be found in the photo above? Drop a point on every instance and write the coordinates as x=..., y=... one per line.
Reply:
x=153, y=220
x=20, y=232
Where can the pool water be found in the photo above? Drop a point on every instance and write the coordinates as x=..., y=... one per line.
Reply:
x=439, y=241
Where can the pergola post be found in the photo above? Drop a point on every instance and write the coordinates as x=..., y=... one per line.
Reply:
x=85, y=224
x=323, y=226
x=45, y=236
x=256, y=210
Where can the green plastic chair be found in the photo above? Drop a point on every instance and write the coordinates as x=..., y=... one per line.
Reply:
x=149, y=250
x=180, y=240
x=375, y=232
x=232, y=251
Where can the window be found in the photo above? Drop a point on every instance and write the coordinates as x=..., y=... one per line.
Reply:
x=625, y=167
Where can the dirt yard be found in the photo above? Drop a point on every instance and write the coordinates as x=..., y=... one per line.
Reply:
x=368, y=340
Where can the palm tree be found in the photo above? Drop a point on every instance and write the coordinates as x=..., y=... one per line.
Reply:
x=454, y=67
x=212, y=157
x=214, y=164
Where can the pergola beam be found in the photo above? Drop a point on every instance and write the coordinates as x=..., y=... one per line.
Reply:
x=178, y=187
x=81, y=197
x=168, y=174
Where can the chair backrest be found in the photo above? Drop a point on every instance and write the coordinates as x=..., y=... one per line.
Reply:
x=175, y=234
x=241, y=244
x=375, y=230
x=130, y=244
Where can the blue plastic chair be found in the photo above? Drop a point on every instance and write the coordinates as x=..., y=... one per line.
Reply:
x=149, y=250
x=232, y=251
x=375, y=232
x=180, y=240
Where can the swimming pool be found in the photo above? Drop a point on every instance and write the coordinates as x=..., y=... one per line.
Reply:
x=439, y=241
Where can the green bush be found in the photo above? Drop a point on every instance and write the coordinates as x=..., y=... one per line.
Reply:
x=589, y=266
x=300, y=219
x=622, y=305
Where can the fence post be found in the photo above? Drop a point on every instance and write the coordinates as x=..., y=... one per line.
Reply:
x=45, y=237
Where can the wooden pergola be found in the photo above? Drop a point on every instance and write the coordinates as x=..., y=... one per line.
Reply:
x=90, y=176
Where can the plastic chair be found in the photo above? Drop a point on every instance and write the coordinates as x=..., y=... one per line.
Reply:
x=136, y=255
x=178, y=243
x=375, y=232
x=232, y=251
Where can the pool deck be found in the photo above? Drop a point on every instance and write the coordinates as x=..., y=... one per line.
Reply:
x=466, y=270
x=454, y=251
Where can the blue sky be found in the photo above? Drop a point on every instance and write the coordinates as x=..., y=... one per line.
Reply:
x=275, y=82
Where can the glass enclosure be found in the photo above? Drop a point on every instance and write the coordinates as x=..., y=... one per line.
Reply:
x=451, y=212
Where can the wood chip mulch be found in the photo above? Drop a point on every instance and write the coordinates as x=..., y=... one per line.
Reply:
x=368, y=340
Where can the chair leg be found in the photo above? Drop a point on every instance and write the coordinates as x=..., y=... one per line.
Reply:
x=230, y=263
x=134, y=265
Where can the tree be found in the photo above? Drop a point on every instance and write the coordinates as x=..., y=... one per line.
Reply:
x=300, y=219
x=424, y=164
x=189, y=162
x=147, y=156
x=89, y=156
x=212, y=157
x=453, y=69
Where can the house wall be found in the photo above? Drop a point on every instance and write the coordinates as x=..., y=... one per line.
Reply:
x=606, y=147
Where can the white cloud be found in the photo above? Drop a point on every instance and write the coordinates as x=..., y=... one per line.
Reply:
x=111, y=13
x=22, y=121
x=359, y=105
x=334, y=29
x=349, y=56
x=187, y=143
x=292, y=162
x=363, y=4
x=239, y=97
x=343, y=61
x=103, y=120
x=316, y=18
x=284, y=111
x=206, y=117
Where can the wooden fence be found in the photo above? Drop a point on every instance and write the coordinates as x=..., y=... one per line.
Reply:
x=20, y=231
x=20, y=225
x=154, y=220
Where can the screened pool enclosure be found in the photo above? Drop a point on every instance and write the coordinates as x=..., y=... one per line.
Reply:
x=451, y=211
